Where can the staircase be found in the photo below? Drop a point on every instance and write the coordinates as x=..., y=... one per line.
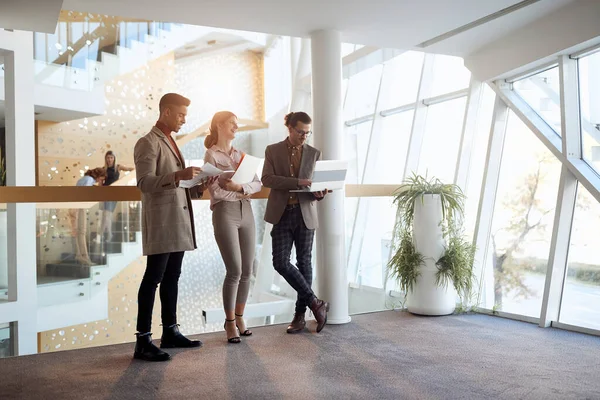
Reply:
x=100, y=52
x=71, y=293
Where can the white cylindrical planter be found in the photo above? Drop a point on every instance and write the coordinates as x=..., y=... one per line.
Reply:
x=426, y=297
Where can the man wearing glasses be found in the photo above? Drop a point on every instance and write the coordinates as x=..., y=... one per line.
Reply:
x=288, y=166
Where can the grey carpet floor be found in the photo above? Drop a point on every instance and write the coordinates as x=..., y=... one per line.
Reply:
x=387, y=355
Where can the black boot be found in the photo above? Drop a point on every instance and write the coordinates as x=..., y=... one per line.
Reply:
x=171, y=338
x=146, y=350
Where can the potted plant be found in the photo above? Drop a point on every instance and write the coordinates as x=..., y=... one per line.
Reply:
x=431, y=260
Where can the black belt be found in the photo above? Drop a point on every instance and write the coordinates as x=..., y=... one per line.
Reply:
x=292, y=206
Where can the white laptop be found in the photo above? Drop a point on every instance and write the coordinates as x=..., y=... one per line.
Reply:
x=328, y=174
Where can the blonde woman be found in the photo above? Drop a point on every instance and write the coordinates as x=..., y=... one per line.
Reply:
x=92, y=177
x=233, y=222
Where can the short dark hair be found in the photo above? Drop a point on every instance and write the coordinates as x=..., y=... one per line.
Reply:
x=294, y=117
x=173, y=99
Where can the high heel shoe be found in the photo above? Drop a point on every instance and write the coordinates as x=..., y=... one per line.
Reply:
x=234, y=339
x=247, y=332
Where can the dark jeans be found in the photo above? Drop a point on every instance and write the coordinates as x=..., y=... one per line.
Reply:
x=164, y=269
x=291, y=230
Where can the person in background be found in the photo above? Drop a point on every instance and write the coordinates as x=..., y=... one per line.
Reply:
x=92, y=177
x=108, y=207
x=233, y=221
x=289, y=165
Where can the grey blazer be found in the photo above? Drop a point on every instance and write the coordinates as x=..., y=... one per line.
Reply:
x=276, y=175
x=167, y=215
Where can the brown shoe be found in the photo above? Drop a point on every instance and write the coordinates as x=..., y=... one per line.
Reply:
x=319, y=309
x=297, y=325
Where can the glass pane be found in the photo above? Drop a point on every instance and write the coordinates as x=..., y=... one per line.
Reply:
x=442, y=139
x=362, y=93
x=589, y=92
x=77, y=241
x=6, y=341
x=401, y=77
x=3, y=254
x=373, y=234
x=517, y=259
x=449, y=75
x=393, y=147
x=347, y=48
x=355, y=150
x=478, y=156
x=542, y=93
x=582, y=288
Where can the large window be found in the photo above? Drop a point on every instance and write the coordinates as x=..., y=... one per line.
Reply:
x=362, y=92
x=355, y=150
x=449, y=75
x=376, y=241
x=401, y=76
x=542, y=92
x=439, y=153
x=581, y=294
x=589, y=90
x=522, y=223
x=392, y=149
x=477, y=161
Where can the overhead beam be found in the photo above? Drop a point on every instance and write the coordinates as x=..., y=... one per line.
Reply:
x=568, y=29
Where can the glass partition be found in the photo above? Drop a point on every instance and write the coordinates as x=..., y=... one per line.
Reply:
x=6, y=340
x=3, y=254
x=77, y=240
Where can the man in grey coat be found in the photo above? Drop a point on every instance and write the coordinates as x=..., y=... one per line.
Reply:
x=289, y=165
x=167, y=226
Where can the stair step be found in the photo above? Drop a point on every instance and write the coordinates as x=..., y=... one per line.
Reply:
x=68, y=268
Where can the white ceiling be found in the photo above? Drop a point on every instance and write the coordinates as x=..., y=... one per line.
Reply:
x=30, y=15
x=478, y=37
x=398, y=24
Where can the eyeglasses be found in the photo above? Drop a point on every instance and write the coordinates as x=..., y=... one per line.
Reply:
x=302, y=133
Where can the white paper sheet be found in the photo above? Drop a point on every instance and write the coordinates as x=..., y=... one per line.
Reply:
x=208, y=170
x=247, y=170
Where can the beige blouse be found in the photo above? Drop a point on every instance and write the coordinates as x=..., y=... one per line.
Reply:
x=228, y=162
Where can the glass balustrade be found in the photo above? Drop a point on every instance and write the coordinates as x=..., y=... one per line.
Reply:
x=6, y=340
x=3, y=254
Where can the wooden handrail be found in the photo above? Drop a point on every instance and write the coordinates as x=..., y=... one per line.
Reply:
x=74, y=194
x=182, y=140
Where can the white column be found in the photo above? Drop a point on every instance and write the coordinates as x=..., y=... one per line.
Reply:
x=20, y=146
x=332, y=281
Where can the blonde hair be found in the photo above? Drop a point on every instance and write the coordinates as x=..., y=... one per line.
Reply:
x=213, y=137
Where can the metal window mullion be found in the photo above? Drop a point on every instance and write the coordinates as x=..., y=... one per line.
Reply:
x=585, y=174
x=489, y=188
x=567, y=194
x=446, y=97
x=420, y=118
x=467, y=139
x=559, y=248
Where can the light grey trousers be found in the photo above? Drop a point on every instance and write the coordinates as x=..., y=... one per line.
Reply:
x=233, y=223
